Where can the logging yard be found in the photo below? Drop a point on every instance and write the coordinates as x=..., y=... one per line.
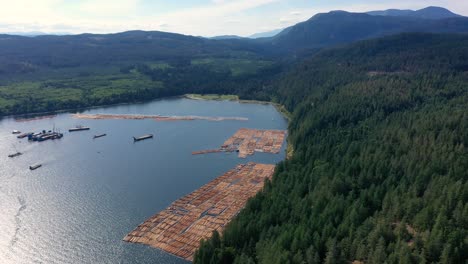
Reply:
x=179, y=228
x=248, y=141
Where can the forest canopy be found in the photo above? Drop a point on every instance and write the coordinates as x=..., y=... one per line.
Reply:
x=379, y=173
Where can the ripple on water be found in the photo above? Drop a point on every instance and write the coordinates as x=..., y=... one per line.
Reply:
x=81, y=203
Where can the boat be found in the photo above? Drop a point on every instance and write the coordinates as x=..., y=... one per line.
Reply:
x=45, y=135
x=34, y=167
x=24, y=135
x=15, y=155
x=78, y=128
x=100, y=135
x=16, y=132
x=135, y=139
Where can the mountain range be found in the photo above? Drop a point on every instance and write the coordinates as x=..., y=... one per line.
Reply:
x=431, y=12
x=19, y=53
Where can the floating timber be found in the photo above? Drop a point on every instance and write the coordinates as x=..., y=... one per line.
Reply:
x=179, y=228
x=142, y=137
x=207, y=151
x=248, y=141
x=35, y=167
x=78, y=128
x=100, y=135
x=158, y=117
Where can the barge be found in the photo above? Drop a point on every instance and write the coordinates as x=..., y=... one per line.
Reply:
x=78, y=128
x=34, y=167
x=135, y=139
x=100, y=135
x=24, y=135
x=15, y=155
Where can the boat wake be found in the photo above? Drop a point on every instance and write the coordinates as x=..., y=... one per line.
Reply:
x=18, y=222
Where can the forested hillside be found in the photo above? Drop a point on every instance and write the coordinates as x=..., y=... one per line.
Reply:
x=340, y=27
x=49, y=73
x=379, y=173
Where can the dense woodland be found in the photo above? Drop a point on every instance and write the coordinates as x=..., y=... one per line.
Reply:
x=379, y=174
x=48, y=73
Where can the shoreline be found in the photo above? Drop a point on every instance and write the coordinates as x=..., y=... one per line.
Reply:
x=60, y=111
x=207, y=97
x=234, y=98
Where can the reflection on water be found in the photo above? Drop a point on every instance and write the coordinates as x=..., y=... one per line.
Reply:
x=90, y=193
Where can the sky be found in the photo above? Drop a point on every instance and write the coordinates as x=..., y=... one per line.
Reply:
x=191, y=17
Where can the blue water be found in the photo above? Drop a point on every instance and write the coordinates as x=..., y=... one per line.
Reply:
x=90, y=193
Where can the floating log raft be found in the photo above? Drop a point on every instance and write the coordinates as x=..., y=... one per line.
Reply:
x=157, y=117
x=248, y=141
x=179, y=228
x=206, y=151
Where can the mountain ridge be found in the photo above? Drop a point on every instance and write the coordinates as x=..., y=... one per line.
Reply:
x=430, y=12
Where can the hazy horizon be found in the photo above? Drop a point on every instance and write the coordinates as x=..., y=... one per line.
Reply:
x=191, y=17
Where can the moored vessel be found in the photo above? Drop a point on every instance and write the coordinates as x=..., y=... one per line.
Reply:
x=78, y=128
x=15, y=155
x=35, y=167
x=100, y=135
x=148, y=136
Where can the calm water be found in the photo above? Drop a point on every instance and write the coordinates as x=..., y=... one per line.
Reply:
x=90, y=193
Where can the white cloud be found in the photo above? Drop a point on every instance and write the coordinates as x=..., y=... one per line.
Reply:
x=108, y=8
x=218, y=17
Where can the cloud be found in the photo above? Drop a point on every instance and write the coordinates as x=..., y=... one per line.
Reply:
x=216, y=17
x=109, y=8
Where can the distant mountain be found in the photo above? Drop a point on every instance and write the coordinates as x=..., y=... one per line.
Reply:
x=36, y=33
x=267, y=34
x=432, y=12
x=226, y=37
x=322, y=30
x=106, y=49
x=340, y=27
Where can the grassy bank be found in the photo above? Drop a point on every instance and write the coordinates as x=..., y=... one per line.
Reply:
x=216, y=97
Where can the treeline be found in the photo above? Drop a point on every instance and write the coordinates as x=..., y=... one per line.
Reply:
x=136, y=83
x=205, y=79
x=379, y=173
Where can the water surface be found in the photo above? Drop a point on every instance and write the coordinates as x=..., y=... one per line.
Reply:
x=90, y=193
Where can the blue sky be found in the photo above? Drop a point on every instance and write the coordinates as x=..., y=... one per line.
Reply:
x=193, y=17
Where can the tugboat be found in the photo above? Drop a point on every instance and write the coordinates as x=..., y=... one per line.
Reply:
x=78, y=128
x=34, y=167
x=16, y=154
x=135, y=139
x=100, y=135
